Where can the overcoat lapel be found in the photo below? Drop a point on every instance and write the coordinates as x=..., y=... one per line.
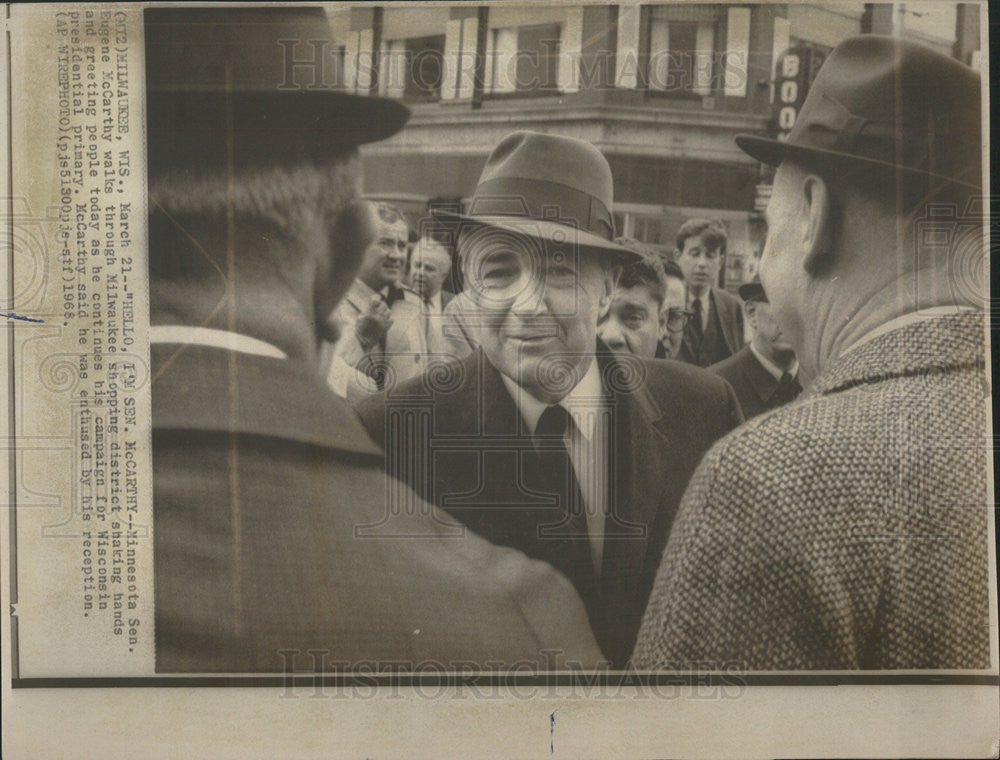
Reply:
x=641, y=451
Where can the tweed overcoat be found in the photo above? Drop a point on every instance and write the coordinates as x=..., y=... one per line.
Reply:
x=848, y=529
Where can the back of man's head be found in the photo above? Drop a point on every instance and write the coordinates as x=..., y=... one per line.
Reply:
x=271, y=216
x=883, y=211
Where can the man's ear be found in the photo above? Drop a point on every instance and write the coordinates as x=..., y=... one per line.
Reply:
x=612, y=272
x=818, y=233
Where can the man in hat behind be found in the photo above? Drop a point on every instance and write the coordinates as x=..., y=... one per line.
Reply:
x=850, y=529
x=267, y=491
x=542, y=438
x=764, y=373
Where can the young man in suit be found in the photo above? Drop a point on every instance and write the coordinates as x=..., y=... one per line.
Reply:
x=715, y=329
x=764, y=373
x=267, y=491
x=542, y=438
x=851, y=529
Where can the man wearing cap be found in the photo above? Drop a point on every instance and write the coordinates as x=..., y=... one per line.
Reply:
x=542, y=438
x=715, y=330
x=267, y=491
x=764, y=373
x=851, y=528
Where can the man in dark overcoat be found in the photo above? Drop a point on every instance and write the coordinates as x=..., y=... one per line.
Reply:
x=542, y=438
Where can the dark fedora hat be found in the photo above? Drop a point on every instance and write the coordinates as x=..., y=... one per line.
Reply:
x=886, y=104
x=547, y=187
x=219, y=81
x=752, y=291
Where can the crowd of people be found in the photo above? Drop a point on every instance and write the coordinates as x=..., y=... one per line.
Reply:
x=398, y=315
x=509, y=434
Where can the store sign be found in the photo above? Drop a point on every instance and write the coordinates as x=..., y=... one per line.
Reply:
x=795, y=71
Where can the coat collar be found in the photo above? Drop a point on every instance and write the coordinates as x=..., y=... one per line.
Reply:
x=937, y=343
x=203, y=388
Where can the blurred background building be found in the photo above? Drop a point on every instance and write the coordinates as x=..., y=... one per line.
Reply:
x=660, y=89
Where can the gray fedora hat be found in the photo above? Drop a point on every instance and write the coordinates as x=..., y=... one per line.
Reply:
x=218, y=82
x=547, y=187
x=886, y=104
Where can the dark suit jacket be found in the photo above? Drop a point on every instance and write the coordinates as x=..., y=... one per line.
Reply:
x=755, y=387
x=729, y=309
x=458, y=438
x=271, y=535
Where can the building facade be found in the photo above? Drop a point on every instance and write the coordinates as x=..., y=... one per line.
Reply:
x=660, y=89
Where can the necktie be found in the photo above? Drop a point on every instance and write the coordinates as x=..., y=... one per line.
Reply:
x=564, y=540
x=392, y=294
x=788, y=389
x=379, y=373
x=695, y=323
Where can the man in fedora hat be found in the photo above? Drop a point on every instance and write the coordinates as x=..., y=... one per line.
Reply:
x=850, y=529
x=264, y=482
x=542, y=438
x=764, y=373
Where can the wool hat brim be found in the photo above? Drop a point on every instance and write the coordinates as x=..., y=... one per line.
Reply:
x=773, y=152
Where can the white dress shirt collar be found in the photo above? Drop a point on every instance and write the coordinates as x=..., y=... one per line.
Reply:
x=583, y=402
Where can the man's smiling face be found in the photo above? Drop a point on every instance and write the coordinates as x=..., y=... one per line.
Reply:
x=385, y=259
x=539, y=307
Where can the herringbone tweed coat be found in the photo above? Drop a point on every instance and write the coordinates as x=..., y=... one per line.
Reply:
x=847, y=530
